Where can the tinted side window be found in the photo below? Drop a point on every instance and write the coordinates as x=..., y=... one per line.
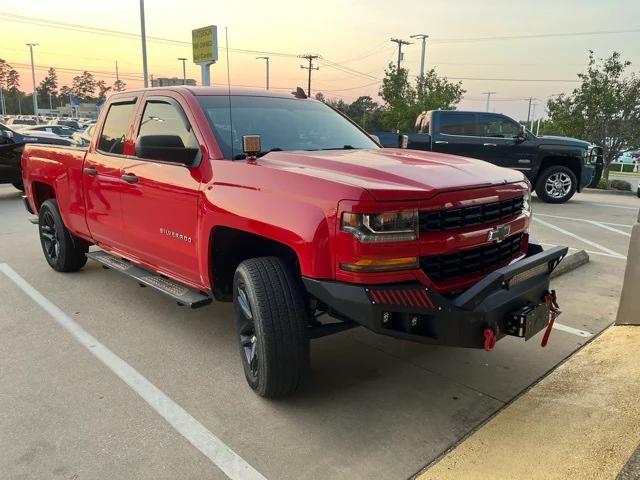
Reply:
x=458, y=124
x=497, y=126
x=162, y=118
x=115, y=128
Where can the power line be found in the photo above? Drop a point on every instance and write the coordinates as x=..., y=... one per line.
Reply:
x=534, y=36
x=121, y=34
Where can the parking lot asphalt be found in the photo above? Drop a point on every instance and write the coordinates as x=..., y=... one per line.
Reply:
x=373, y=407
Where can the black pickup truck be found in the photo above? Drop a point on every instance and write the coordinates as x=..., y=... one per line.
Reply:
x=557, y=167
x=11, y=144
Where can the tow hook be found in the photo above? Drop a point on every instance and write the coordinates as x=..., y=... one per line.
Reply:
x=489, y=339
x=554, y=312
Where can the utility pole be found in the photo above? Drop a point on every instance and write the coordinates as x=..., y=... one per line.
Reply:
x=143, y=35
x=33, y=77
x=184, y=69
x=423, y=37
x=529, y=110
x=117, y=73
x=267, y=62
x=488, y=94
x=533, y=116
x=310, y=57
x=400, y=43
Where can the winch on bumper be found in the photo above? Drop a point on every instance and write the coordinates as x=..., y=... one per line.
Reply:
x=513, y=300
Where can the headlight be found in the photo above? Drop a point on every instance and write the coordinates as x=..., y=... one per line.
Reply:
x=526, y=201
x=382, y=227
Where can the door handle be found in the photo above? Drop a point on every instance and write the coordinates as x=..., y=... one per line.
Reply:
x=489, y=144
x=442, y=142
x=90, y=171
x=129, y=178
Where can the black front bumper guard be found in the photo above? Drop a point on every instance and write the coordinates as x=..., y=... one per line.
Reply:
x=508, y=301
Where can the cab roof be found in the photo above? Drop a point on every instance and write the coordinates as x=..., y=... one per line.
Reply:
x=219, y=91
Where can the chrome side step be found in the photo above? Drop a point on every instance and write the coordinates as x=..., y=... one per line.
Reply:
x=182, y=294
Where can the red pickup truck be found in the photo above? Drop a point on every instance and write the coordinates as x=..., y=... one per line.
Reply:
x=285, y=207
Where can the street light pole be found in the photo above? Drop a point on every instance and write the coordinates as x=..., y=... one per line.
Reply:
x=33, y=78
x=424, y=46
x=184, y=69
x=488, y=94
x=267, y=62
x=143, y=35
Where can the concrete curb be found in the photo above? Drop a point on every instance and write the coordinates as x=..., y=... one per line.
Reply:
x=571, y=262
x=614, y=192
x=629, y=309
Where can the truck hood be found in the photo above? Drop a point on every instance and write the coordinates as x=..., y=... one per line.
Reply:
x=568, y=141
x=393, y=174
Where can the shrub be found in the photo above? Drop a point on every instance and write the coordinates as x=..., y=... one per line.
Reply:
x=620, y=185
x=604, y=184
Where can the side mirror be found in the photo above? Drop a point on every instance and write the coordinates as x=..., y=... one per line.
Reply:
x=375, y=138
x=165, y=148
x=404, y=141
x=6, y=134
x=522, y=134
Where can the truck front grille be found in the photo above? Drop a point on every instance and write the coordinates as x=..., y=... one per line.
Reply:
x=470, y=216
x=475, y=260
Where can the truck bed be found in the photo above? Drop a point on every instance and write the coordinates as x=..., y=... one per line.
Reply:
x=58, y=167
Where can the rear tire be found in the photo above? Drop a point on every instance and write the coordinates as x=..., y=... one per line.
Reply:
x=271, y=320
x=556, y=184
x=63, y=252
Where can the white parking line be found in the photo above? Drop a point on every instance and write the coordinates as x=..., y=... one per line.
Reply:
x=590, y=252
x=211, y=446
x=611, y=229
x=582, y=220
x=582, y=239
x=575, y=331
x=611, y=205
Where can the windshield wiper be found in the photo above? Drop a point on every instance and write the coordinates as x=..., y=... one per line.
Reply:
x=344, y=147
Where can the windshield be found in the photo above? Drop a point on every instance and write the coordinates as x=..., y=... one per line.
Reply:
x=282, y=123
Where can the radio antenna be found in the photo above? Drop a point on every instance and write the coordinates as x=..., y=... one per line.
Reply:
x=226, y=41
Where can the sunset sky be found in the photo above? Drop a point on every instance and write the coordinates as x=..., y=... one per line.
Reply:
x=355, y=34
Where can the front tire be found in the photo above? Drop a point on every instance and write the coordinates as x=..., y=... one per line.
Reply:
x=271, y=321
x=63, y=252
x=556, y=184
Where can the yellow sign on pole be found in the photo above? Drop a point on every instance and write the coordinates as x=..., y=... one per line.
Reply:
x=205, y=44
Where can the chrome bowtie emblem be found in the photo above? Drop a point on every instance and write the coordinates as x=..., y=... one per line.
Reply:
x=499, y=233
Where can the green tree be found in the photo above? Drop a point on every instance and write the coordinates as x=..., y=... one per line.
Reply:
x=604, y=109
x=404, y=101
x=103, y=89
x=49, y=84
x=119, y=86
x=84, y=86
x=366, y=113
x=436, y=93
x=399, y=96
x=320, y=97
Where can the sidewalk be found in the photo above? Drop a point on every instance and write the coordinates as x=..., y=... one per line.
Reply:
x=581, y=421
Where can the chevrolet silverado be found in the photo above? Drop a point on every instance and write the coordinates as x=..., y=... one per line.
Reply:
x=283, y=206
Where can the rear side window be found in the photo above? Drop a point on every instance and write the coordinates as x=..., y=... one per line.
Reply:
x=458, y=124
x=115, y=128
